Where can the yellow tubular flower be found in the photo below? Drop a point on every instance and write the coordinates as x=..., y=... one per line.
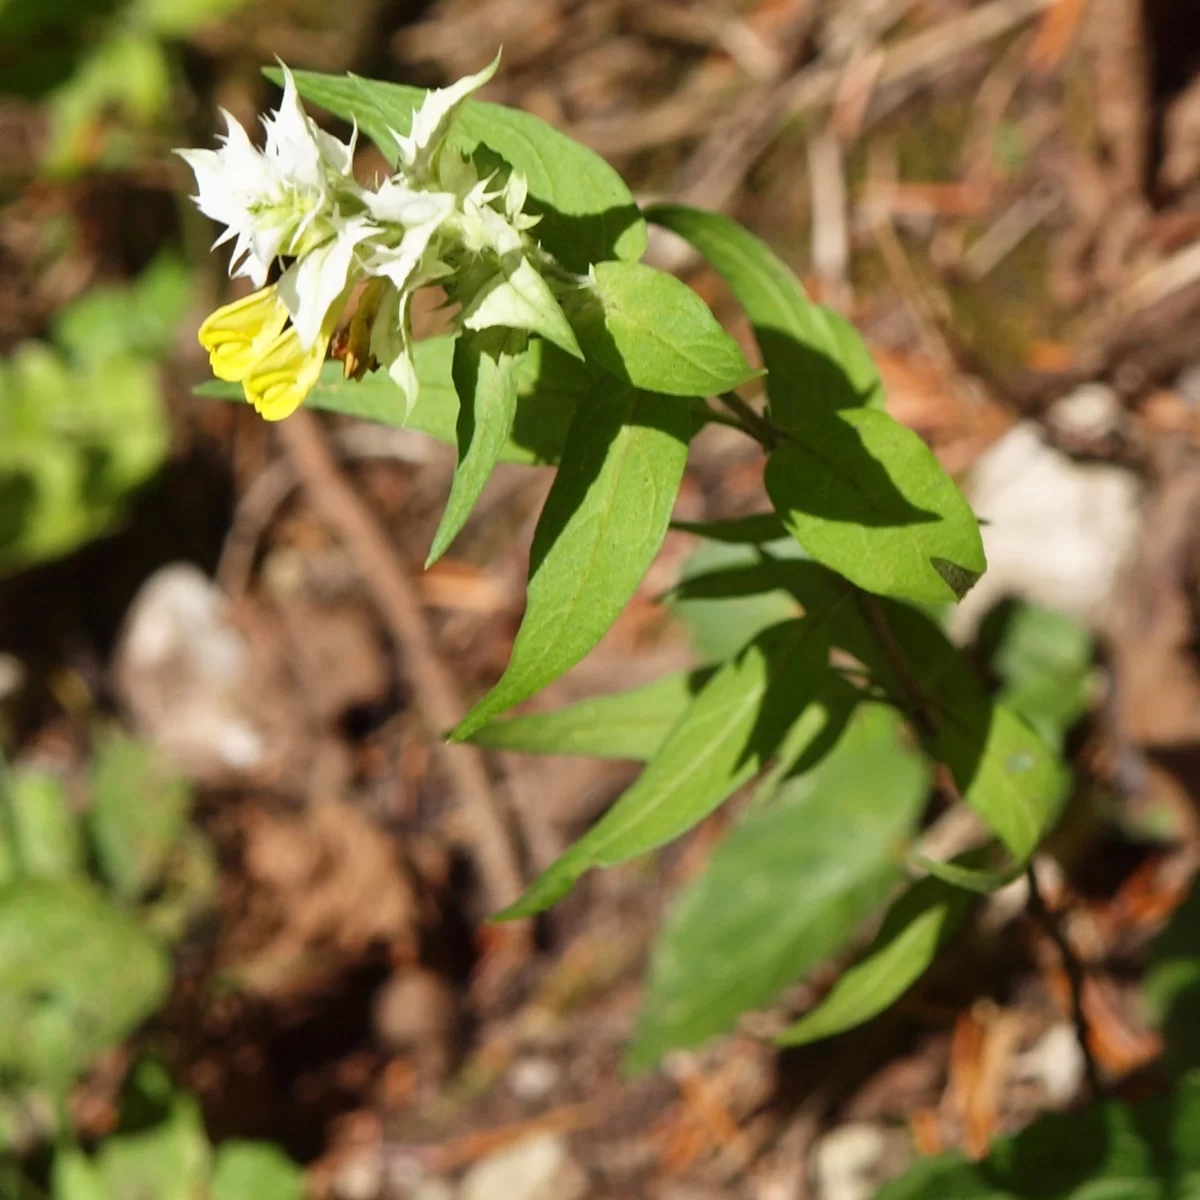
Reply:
x=286, y=372
x=237, y=334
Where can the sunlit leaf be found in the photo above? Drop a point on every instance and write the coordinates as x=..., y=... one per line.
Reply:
x=631, y=724
x=651, y=330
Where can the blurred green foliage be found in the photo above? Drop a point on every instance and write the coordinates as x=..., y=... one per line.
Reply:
x=84, y=955
x=94, y=889
x=102, y=67
x=82, y=423
x=162, y=1151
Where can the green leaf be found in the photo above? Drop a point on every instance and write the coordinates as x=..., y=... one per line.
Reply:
x=864, y=495
x=723, y=739
x=169, y=1159
x=77, y=975
x=787, y=888
x=1109, y=1151
x=75, y=443
x=138, y=815
x=141, y=317
x=1001, y=766
x=651, y=330
x=588, y=214
x=603, y=522
x=74, y=1177
x=255, y=1171
x=1044, y=659
x=631, y=724
x=816, y=360
x=44, y=830
x=916, y=926
x=485, y=377
x=550, y=388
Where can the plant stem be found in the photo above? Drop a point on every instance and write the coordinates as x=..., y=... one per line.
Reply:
x=750, y=420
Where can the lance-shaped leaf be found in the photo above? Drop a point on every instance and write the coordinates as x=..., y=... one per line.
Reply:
x=485, y=378
x=650, y=329
x=588, y=213
x=816, y=360
x=632, y=724
x=603, y=522
x=916, y=926
x=864, y=495
x=787, y=888
x=723, y=739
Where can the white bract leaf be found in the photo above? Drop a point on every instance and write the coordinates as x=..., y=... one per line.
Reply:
x=519, y=298
x=432, y=121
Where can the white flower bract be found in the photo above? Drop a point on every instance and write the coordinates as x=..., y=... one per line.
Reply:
x=440, y=217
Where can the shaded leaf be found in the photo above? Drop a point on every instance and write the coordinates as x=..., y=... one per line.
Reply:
x=651, y=330
x=630, y=724
x=1109, y=1150
x=864, y=495
x=1172, y=983
x=603, y=522
x=916, y=926
x=787, y=888
x=1001, y=766
x=754, y=530
x=723, y=739
x=816, y=360
x=588, y=214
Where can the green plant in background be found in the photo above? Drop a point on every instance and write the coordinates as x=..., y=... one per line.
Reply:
x=92, y=897
x=82, y=422
x=161, y=1150
x=104, y=68
x=90, y=901
x=830, y=685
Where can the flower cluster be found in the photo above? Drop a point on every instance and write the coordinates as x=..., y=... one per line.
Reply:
x=296, y=200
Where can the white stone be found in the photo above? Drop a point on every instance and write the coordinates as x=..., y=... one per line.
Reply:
x=1057, y=532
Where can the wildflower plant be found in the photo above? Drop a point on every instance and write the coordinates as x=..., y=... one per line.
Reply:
x=835, y=691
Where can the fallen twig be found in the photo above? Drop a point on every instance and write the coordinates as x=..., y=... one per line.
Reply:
x=437, y=696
